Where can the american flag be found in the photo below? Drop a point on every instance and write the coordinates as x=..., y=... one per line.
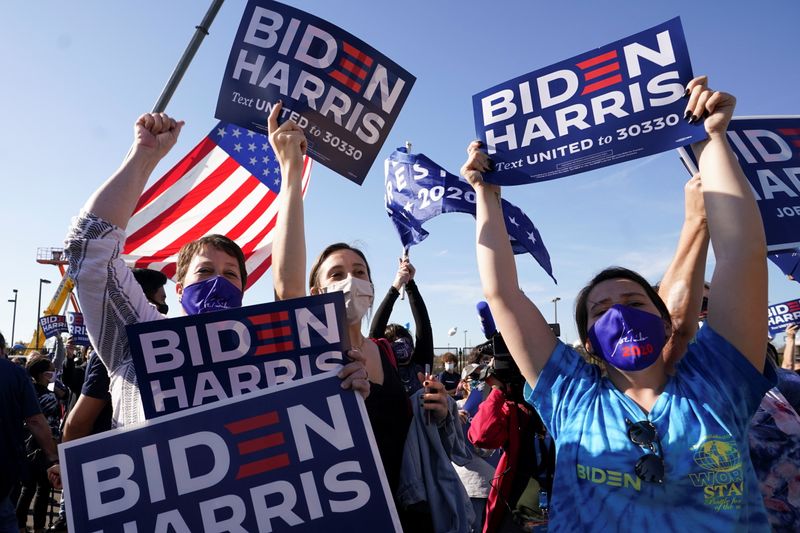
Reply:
x=227, y=184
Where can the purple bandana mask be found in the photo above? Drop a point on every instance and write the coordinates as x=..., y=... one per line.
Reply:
x=213, y=294
x=403, y=349
x=628, y=338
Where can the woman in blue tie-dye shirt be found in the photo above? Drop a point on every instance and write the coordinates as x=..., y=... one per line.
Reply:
x=641, y=447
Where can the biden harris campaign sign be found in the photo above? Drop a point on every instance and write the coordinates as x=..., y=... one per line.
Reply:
x=610, y=105
x=53, y=325
x=768, y=150
x=343, y=93
x=193, y=360
x=298, y=458
x=782, y=315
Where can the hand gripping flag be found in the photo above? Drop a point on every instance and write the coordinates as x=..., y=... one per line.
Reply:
x=227, y=184
x=417, y=189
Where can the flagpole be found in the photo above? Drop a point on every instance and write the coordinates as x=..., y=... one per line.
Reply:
x=405, y=249
x=200, y=32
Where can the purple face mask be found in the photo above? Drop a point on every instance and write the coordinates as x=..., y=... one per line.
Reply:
x=213, y=294
x=628, y=338
x=403, y=348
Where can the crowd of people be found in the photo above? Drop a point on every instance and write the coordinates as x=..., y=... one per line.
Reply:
x=673, y=413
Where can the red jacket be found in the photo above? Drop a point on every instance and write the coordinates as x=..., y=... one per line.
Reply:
x=498, y=423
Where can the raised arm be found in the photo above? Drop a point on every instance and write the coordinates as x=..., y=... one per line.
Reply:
x=524, y=329
x=423, y=347
x=681, y=287
x=788, y=349
x=739, y=284
x=154, y=135
x=380, y=320
x=289, y=243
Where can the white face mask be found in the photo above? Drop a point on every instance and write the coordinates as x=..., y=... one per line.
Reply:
x=449, y=367
x=358, y=296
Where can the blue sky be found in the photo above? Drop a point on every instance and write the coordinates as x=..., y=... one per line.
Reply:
x=76, y=76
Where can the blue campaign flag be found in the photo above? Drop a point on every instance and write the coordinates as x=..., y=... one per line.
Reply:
x=612, y=104
x=768, y=150
x=789, y=263
x=344, y=93
x=300, y=457
x=781, y=315
x=417, y=189
x=193, y=360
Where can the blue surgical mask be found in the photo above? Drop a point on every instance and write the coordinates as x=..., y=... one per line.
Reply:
x=213, y=294
x=628, y=338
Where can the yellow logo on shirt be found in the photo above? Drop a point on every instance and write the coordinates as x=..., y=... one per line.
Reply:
x=722, y=477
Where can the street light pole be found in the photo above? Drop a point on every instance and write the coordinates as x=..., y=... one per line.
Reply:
x=465, y=339
x=39, y=309
x=555, y=309
x=14, y=320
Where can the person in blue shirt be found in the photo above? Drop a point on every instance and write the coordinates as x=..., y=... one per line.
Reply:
x=639, y=447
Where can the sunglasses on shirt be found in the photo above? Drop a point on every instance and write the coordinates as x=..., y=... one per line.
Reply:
x=650, y=466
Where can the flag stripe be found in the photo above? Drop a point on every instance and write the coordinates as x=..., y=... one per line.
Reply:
x=184, y=204
x=170, y=178
x=206, y=223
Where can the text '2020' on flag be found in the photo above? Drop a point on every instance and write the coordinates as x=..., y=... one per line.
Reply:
x=612, y=104
x=417, y=189
x=227, y=184
x=344, y=93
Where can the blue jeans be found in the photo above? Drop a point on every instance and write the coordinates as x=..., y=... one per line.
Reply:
x=8, y=516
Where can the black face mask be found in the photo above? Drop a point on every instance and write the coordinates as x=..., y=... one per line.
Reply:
x=162, y=308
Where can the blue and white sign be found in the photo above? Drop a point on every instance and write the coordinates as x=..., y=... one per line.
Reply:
x=345, y=94
x=298, y=458
x=781, y=315
x=52, y=325
x=768, y=149
x=612, y=104
x=77, y=329
x=193, y=360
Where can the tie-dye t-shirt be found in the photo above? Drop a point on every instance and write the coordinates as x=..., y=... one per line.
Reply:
x=702, y=420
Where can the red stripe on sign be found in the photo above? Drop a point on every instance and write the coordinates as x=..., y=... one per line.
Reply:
x=266, y=334
x=184, y=204
x=789, y=131
x=176, y=173
x=596, y=73
x=254, y=422
x=357, y=54
x=207, y=222
x=261, y=443
x=341, y=77
x=596, y=86
x=352, y=67
x=796, y=142
x=264, y=465
x=583, y=65
x=269, y=318
x=278, y=347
